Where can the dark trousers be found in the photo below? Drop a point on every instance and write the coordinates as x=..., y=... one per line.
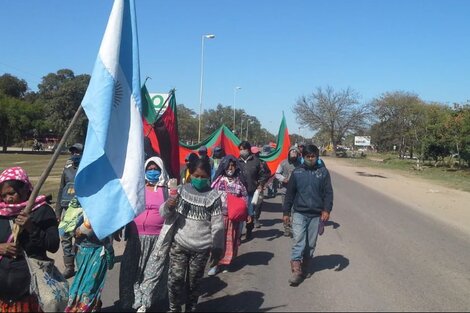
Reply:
x=184, y=276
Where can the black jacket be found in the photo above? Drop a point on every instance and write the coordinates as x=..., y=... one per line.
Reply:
x=14, y=273
x=68, y=176
x=253, y=173
x=309, y=191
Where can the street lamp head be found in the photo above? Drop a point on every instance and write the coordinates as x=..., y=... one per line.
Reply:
x=210, y=36
x=238, y=88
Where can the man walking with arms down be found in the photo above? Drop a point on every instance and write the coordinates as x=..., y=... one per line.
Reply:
x=310, y=196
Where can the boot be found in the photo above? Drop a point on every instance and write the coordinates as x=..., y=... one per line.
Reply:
x=306, y=267
x=297, y=276
x=69, y=262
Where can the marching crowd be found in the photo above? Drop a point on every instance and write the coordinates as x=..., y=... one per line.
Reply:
x=183, y=229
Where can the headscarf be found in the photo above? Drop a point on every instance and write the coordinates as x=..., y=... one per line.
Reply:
x=163, y=179
x=13, y=209
x=223, y=166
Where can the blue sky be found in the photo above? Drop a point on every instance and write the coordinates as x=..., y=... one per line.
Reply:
x=275, y=50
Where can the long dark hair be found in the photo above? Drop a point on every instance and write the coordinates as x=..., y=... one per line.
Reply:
x=202, y=164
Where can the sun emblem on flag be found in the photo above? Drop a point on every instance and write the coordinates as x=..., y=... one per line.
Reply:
x=118, y=94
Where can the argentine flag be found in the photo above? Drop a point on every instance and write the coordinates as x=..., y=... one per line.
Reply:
x=110, y=180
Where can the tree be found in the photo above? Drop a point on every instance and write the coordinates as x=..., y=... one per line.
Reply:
x=13, y=86
x=187, y=124
x=401, y=121
x=336, y=113
x=16, y=118
x=61, y=94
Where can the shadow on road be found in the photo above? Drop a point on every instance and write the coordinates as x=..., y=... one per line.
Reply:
x=246, y=301
x=271, y=222
x=269, y=234
x=328, y=262
x=331, y=223
x=369, y=175
x=211, y=285
x=251, y=258
x=272, y=207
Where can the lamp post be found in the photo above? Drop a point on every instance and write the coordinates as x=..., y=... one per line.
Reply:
x=210, y=36
x=234, y=104
x=248, y=121
x=241, y=126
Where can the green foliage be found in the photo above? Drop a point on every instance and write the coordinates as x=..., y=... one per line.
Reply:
x=16, y=118
x=60, y=94
x=12, y=86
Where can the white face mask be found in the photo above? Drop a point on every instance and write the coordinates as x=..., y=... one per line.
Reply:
x=229, y=173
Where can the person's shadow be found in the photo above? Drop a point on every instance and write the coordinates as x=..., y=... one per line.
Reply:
x=331, y=223
x=246, y=301
x=269, y=234
x=334, y=262
x=251, y=258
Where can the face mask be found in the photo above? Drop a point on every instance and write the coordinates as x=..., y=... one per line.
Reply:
x=199, y=183
x=152, y=176
x=309, y=162
x=244, y=153
x=229, y=173
x=293, y=159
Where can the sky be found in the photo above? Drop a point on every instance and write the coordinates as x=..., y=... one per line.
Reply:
x=276, y=51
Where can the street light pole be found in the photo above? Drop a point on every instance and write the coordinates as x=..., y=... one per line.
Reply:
x=248, y=121
x=241, y=126
x=210, y=36
x=234, y=104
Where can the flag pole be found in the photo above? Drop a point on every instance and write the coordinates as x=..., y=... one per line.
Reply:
x=17, y=229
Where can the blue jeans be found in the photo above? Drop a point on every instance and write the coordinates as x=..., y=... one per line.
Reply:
x=305, y=233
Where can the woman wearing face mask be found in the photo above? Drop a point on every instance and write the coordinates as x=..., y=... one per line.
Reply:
x=39, y=236
x=227, y=180
x=137, y=285
x=198, y=231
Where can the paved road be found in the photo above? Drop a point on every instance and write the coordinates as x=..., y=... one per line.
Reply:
x=375, y=255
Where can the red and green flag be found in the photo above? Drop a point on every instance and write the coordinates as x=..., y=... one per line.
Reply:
x=161, y=131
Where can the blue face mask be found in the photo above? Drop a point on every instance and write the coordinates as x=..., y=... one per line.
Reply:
x=152, y=176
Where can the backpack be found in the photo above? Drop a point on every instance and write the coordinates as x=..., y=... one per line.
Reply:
x=68, y=192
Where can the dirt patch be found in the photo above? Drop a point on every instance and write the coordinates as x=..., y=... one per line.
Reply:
x=442, y=203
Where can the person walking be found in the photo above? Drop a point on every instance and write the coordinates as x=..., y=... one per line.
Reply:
x=254, y=176
x=65, y=193
x=184, y=173
x=39, y=236
x=309, y=198
x=94, y=258
x=195, y=217
x=283, y=173
x=137, y=271
x=227, y=182
x=217, y=155
x=259, y=204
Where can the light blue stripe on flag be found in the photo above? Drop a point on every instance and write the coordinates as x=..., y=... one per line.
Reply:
x=110, y=179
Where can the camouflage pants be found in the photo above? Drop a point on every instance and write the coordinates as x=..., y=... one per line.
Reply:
x=184, y=277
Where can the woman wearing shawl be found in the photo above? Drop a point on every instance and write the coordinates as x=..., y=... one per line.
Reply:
x=94, y=257
x=138, y=277
x=226, y=180
x=39, y=235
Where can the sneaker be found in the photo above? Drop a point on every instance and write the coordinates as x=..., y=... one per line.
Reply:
x=142, y=309
x=212, y=271
x=257, y=223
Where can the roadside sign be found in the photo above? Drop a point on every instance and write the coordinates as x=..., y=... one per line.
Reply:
x=362, y=140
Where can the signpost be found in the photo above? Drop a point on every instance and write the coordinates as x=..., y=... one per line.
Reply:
x=362, y=141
